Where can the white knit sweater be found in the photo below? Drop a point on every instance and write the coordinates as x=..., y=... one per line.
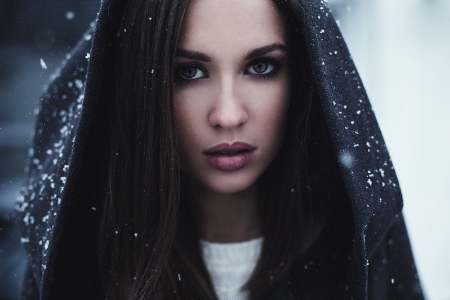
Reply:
x=231, y=265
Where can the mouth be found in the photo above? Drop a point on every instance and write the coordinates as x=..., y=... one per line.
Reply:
x=227, y=149
x=226, y=157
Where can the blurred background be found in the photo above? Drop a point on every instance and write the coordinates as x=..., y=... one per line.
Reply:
x=401, y=48
x=35, y=36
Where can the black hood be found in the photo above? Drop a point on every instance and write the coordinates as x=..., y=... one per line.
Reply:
x=66, y=117
x=366, y=167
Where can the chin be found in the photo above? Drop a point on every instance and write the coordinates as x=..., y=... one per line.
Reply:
x=230, y=183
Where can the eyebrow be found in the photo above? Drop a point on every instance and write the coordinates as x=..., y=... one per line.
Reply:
x=264, y=50
x=195, y=55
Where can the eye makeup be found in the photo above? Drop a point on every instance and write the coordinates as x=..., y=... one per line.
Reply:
x=263, y=68
x=265, y=62
x=189, y=73
x=260, y=68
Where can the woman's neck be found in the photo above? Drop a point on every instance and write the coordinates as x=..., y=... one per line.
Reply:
x=228, y=218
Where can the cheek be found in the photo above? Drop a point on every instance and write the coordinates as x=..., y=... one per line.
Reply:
x=278, y=109
x=189, y=114
x=272, y=114
x=189, y=104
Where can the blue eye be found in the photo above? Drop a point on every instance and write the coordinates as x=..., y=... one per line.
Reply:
x=190, y=73
x=261, y=68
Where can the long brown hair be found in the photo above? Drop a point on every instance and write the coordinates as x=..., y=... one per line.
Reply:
x=148, y=238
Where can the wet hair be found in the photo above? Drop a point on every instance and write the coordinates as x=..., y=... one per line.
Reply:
x=148, y=237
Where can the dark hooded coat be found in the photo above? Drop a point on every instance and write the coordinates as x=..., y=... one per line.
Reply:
x=58, y=204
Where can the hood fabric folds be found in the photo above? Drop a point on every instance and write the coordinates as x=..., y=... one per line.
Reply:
x=66, y=117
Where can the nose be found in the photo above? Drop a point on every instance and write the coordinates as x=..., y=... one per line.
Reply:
x=229, y=110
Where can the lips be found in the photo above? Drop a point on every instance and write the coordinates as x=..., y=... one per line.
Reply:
x=226, y=157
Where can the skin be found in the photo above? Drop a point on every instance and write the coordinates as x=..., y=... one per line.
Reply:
x=226, y=92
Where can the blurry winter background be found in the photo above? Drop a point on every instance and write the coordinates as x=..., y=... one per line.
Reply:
x=401, y=48
x=35, y=36
x=402, y=51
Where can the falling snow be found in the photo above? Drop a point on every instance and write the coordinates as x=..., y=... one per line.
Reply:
x=43, y=65
x=70, y=15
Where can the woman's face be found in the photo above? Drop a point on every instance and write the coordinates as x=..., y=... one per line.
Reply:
x=231, y=91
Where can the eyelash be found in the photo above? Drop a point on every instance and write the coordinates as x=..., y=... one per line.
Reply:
x=275, y=64
x=272, y=73
x=184, y=80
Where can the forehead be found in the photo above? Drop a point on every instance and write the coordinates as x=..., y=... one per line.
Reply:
x=231, y=24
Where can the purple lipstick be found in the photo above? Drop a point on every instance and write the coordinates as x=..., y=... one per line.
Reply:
x=226, y=157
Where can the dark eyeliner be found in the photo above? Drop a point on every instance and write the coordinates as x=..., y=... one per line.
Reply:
x=276, y=67
x=182, y=80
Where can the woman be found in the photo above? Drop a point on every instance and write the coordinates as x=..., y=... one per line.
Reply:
x=196, y=131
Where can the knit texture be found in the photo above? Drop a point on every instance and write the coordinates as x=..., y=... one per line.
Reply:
x=231, y=265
